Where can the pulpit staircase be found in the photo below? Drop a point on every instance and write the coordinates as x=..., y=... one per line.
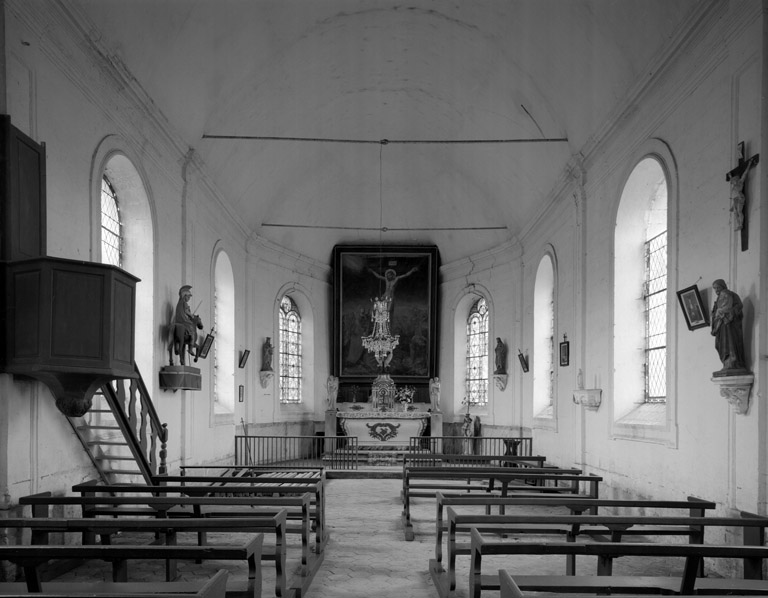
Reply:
x=122, y=433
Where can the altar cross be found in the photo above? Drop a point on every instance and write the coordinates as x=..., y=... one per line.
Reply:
x=738, y=179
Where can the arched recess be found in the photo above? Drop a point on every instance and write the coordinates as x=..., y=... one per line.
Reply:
x=461, y=309
x=114, y=159
x=301, y=298
x=644, y=344
x=223, y=358
x=543, y=362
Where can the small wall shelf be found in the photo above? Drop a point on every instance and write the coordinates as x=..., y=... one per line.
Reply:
x=589, y=398
x=736, y=389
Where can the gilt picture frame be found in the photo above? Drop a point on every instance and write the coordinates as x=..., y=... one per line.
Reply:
x=408, y=275
x=692, y=304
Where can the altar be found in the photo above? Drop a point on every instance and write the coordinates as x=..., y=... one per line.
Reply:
x=383, y=429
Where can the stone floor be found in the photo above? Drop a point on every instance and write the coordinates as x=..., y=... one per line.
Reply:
x=367, y=556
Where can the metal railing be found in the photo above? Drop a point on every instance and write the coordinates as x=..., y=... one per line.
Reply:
x=478, y=445
x=332, y=452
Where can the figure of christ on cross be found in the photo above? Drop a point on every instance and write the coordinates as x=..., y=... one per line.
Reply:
x=738, y=178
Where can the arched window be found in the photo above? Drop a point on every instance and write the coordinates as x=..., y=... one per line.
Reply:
x=544, y=339
x=290, y=351
x=224, y=345
x=476, y=381
x=123, y=236
x=640, y=297
x=111, y=225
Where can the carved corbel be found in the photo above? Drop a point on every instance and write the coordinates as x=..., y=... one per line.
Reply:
x=736, y=390
x=265, y=377
x=501, y=380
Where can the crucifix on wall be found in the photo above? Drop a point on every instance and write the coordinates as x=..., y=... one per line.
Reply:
x=738, y=179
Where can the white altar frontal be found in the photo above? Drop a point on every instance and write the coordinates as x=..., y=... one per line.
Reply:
x=383, y=429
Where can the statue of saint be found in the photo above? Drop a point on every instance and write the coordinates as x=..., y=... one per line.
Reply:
x=468, y=432
x=183, y=329
x=332, y=386
x=727, y=316
x=434, y=393
x=501, y=357
x=266, y=355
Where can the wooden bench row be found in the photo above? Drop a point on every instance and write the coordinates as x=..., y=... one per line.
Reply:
x=30, y=558
x=685, y=584
x=425, y=482
x=214, y=587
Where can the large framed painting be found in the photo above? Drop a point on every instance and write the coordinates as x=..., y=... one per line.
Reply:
x=385, y=291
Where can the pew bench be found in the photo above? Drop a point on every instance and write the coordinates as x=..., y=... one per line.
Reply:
x=509, y=589
x=425, y=482
x=603, y=582
x=696, y=507
x=29, y=558
x=604, y=528
x=269, y=486
x=201, y=511
x=215, y=587
x=169, y=529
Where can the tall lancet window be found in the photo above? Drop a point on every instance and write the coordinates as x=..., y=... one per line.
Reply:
x=290, y=351
x=111, y=225
x=477, y=353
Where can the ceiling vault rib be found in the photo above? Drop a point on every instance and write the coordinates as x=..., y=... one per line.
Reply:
x=383, y=141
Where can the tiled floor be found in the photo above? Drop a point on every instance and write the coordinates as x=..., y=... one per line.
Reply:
x=367, y=555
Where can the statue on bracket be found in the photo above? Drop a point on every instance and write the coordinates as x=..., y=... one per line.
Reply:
x=183, y=333
x=727, y=317
x=501, y=357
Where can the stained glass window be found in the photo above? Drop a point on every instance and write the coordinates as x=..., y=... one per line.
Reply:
x=111, y=226
x=290, y=351
x=656, y=319
x=477, y=354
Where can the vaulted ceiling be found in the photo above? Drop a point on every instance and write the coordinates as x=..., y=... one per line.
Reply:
x=287, y=102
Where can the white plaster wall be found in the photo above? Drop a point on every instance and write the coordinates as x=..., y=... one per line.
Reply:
x=703, y=105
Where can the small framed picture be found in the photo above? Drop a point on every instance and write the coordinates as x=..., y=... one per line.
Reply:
x=243, y=358
x=206, y=346
x=565, y=353
x=693, y=307
x=523, y=361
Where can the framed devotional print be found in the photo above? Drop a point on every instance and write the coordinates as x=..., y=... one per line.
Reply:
x=693, y=307
x=385, y=313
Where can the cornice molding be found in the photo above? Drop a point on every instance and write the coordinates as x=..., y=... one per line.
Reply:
x=271, y=253
x=506, y=255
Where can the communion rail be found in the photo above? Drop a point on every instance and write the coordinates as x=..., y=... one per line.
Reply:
x=481, y=445
x=332, y=452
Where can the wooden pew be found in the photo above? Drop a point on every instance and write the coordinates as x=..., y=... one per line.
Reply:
x=611, y=528
x=606, y=552
x=268, y=485
x=95, y=505
x=169, y=529
x=426, y=481
x=509, y=589
x=31, y=557
x=215, y=587
x=696, y=507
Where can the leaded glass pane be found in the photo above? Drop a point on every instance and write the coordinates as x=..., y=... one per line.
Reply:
x=656, y=319
x=111, y=227
x=477, y=354
x=290, y=351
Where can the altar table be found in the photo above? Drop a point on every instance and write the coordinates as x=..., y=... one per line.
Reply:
x=383, y=429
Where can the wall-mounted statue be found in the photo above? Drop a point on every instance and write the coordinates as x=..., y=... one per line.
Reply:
x=332, y=386
x=434, y=393
x=727, y=316
x=501, y=357
x=183, y=329
x=266, y=355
